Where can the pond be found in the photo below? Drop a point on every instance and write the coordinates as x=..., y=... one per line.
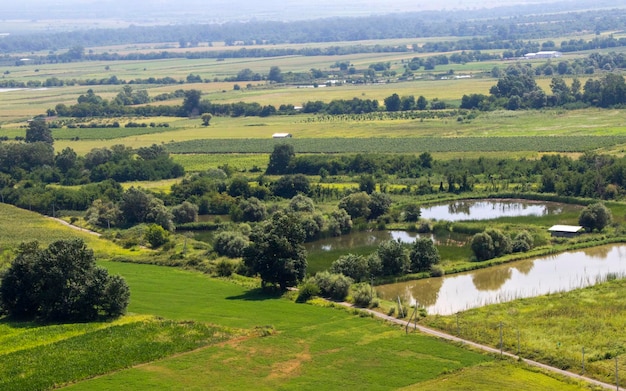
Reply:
x=493, y=209
x=527, y=278
x=374, y=238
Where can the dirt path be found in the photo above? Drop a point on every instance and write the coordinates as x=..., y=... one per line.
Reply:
x=450, y=337
x=74, y=226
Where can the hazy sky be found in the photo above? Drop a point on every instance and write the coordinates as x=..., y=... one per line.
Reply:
x=215, y=10
x=23, y=16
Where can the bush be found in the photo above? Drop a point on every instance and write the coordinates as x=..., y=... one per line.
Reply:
x=523, y=242
x=307, y=290
x=423, y=255
x=230, y=244
x=436, y=271
x=156, y=235
x=363, y=295
x=224, y=268
x=334, y=286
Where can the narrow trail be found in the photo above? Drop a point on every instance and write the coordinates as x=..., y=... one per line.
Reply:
x=450, y=337
x=74, y=226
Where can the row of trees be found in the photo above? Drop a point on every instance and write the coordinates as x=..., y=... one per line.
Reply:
x=557, y=20
x=517, y=89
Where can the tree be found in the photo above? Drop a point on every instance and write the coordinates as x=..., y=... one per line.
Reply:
x=353, y=266
x=595, y=216
x=206, y=119
x=522, y=242
x=301, y=203
x=423, y=255
x=367, y=184
x=185, y=213
x=339, y=223
x=103, y=214
x=275, y=75
x=38, y=131
x=276, y=252
x=289, y=186
x=412, y=213
x=393, y=258
x=191, y=103
x=61, y=283
x=421, y=103
x=280, y=159
x=230, y=244
x=482, y=246
x=379, y=204
x=393, y=102
x=252, y=209
x=356, y=204
x=501, y=242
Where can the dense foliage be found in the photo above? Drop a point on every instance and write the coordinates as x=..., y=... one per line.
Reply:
x=276, y=253
x=61, y=283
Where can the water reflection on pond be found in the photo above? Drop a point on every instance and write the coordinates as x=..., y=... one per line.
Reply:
x=492, y=209
x=528, y=278
x=374, y=238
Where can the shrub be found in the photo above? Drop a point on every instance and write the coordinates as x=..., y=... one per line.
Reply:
x=230, y=244
x=224, y=268
x=335, y=286
x=156, y=235
x=482, y=246
x=436, y=271
x=307, y=290
x=363, y=295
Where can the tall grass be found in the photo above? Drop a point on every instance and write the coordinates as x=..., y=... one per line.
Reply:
x=555, y=328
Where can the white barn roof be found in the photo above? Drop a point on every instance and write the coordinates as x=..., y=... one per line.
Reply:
x=565, y=228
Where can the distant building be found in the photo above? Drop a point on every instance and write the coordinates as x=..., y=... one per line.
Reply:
x=565, y=231
x=281, y=135
x=550, y=54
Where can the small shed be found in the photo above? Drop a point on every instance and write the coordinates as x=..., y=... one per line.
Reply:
x=565, y=231
x=281, y=135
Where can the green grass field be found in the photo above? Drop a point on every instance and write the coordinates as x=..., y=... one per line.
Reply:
x=305, y=343
x=555, y=328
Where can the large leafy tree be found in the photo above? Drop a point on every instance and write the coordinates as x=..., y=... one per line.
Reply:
x=276, y=252
x=61, y=283
x=38, y=131
x=423, y=255
x=280, y=159
x=595, y=216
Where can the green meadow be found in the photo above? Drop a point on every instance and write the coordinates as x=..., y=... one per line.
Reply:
x=188, y=331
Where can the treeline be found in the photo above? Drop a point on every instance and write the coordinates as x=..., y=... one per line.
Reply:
x=27, y=168
x=517, y=90
x=521, y=23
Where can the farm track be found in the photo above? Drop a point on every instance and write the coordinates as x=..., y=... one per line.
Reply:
x=489, y=349
x=85, y=230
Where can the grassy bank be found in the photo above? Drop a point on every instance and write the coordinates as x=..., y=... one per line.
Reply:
x=555, y=328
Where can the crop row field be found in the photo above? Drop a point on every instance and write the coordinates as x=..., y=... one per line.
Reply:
x=35, y=357
x=402, y=145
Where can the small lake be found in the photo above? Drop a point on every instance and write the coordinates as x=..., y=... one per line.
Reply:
x=374, y=238
x=493, y=209
x=533, y=277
